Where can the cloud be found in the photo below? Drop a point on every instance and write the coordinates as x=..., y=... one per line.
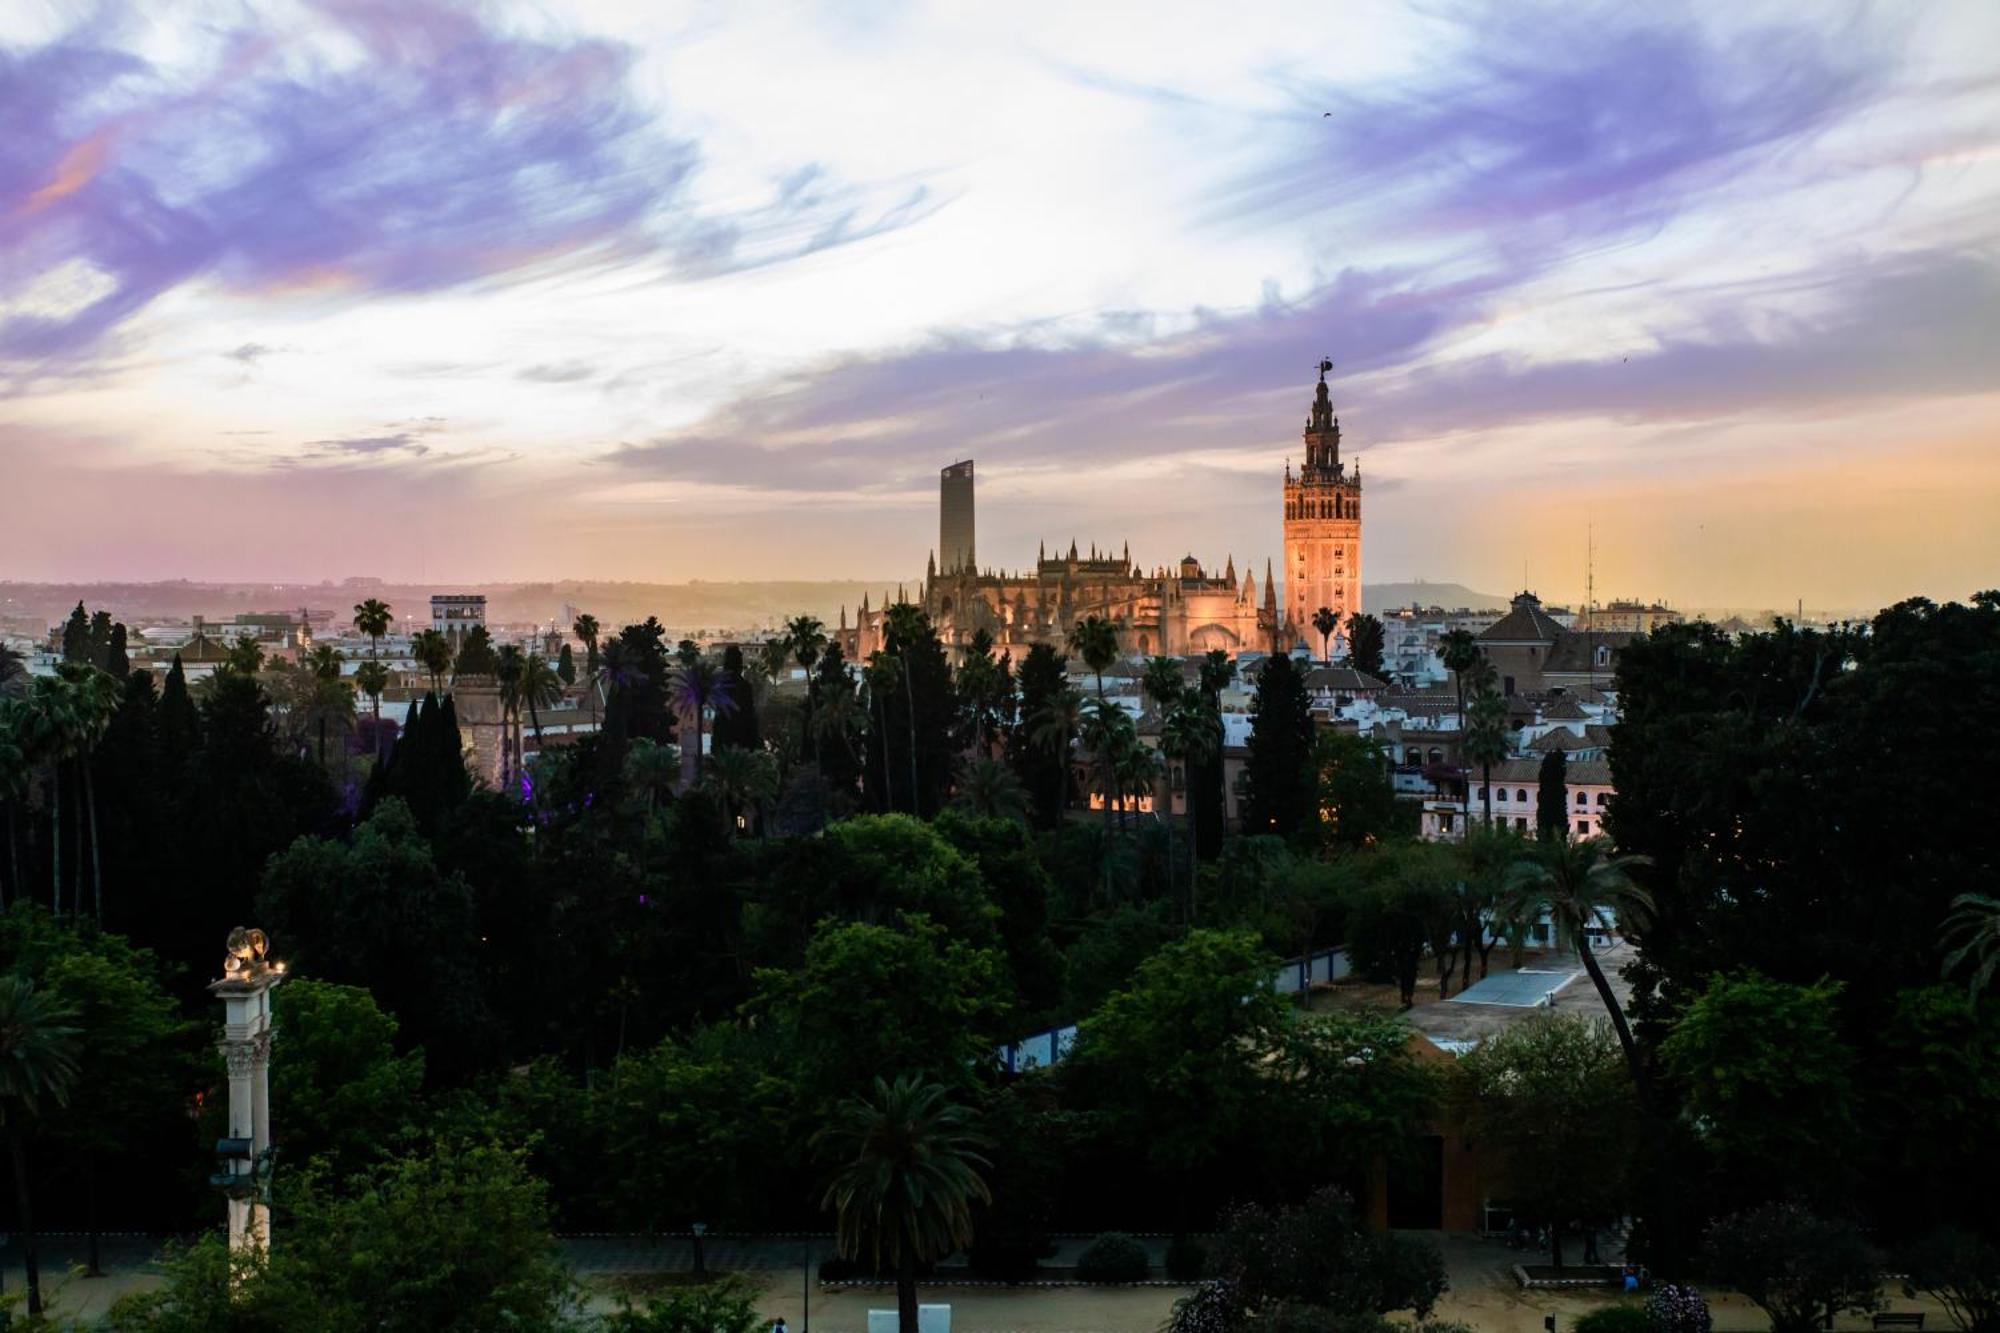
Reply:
x=1568, y=120
x=386, y=146
x=369, y=445
x=249, y=353
x=567, y=372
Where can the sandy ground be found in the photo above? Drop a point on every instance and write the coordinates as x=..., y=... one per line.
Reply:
x=1452, y=1020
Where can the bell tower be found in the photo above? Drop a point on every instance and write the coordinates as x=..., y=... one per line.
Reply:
x=1322, y=522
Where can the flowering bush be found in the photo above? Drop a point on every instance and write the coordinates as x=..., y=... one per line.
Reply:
x=1677, y=1308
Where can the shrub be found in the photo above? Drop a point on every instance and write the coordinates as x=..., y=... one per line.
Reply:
x=1677, y=1308
x=1959, y=1270
x=1616, y=1319
x=1186, y=1259
x=1113, y=1257
x=1800, y=1269
x=724, y=1306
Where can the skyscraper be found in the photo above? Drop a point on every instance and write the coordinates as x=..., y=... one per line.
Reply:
x=955, y=547
x=1322, y=524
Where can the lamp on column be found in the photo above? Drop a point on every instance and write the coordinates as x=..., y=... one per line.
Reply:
x=244, y=1157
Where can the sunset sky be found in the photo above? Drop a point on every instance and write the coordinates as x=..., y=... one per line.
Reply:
x=670, y=291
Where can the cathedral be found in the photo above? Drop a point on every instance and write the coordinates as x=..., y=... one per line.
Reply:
x=1178, y=610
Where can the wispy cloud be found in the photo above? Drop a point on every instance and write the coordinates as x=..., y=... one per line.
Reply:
x=392, y=146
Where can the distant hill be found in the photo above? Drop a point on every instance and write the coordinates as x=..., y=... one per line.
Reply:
x=1450, y=596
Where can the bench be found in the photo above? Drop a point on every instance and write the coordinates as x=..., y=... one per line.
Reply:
x=1899, y=1320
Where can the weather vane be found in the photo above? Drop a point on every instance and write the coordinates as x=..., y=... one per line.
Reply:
x=1325, y=365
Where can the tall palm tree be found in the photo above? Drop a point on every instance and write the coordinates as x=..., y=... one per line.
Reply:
x=1326, y=622
x=373, y=678
x=1054, y=727
x=695, y=689
x=743, y=780
x=1163, y=682
x=805, y=639
x=51, y=734
x=433, y=652
x=1974, y=928
x=94, y=699
x=37, y=1065
x=586, y=632
x=1459, y=652
x=907, y=1175
x=1095, y=640
x=1579, y=884
x=541, y=688
x=1191, y=734
x=1485, y=741
x=651, y=768
x=13, y=673
x=510, y=667
x=988, y=788
x=17, y=765
x=373, y=619
x=324, y=663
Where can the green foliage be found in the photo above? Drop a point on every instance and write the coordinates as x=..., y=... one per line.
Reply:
x=1799, y=1268
x=347, y=1095
x=1392, y=919
x=1365, y=642
x=1554, y=1095
x=1353, y=1089
x=1176, y=1063
x=727, y=1305
x=1678, y=1307
x=454, y=1239
x=1355, y=798
x=1623, y=1318
x=1113, y=1257
x=689, y=1124
x=1317, y=1255
x=876, y=1002
x=1771, y=1081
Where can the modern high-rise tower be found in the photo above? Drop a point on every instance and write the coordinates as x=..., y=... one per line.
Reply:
x=1322, y=525
x=955, y=547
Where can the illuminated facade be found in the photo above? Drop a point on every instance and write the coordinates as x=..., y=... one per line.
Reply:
x=1322, y=524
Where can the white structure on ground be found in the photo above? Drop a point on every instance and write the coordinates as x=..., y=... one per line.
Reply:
x=248, y=978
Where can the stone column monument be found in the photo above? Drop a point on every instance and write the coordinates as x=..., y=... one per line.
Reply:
x=244, y=1165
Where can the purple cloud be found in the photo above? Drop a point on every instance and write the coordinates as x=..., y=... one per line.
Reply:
x=448, y=153
x=1566, y=120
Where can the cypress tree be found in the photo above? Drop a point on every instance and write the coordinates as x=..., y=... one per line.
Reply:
x=179, y=720
x=566, y=666
x=1277, y=778
x=100, y=639
x=76, y=636
x=1552, y=797
x=1044, y=675
x=739, y=728
x=116, y=660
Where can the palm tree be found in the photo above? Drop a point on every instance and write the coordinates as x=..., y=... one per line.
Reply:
x=652, y=768
x=805, y=639
x=1459, y=652
x=541, y=688
x=1326, y=622
x=988, y=788
x=13, y=673
x=1191, y=733
x=1163, y=682
x=1055, y=726
x=743, y=780
x=373, y=678
x=433, y=653
x=51, y=735
x=1485, y=741
x=37, y=1065
x=324, y=663
x=1974, y=927
x=694, y=689
x=94, y=699
x=1095, y=640
x=1580, y=884
x=246, y=655
x=908, y=1175
x=586, y=631
x=16, y=772
x=373, y=619
x=510, y=665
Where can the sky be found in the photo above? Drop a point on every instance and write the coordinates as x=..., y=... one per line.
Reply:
x=1705, y=296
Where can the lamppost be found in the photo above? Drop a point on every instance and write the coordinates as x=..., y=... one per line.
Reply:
x=244, y=1157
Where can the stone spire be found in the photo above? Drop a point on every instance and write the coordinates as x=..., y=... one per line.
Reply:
x=1229, y=570
x=843, y=617
x=1322, y=431
x=1249, y=587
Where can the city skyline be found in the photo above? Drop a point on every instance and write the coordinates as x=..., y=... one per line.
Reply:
x=303, y=291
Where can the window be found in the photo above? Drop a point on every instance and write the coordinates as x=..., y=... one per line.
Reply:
x=1583, y=828
x=1507, y=686
x=1583, y=798
x=1500, y=795
x=1603, y=656
x=1603, y=799
x=1482, y=794
x=1520, y=826
x=1520, y=793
